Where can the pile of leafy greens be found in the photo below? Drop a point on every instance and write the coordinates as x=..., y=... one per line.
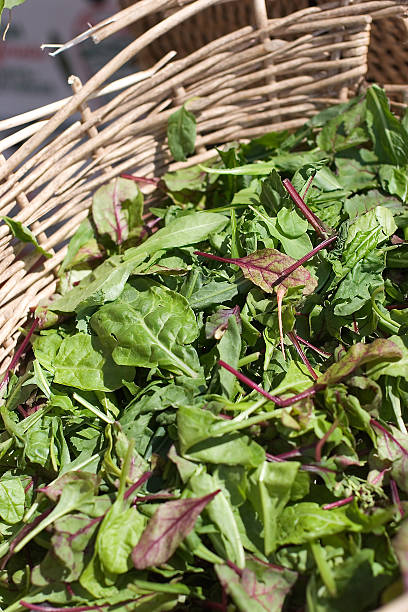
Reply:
x=213, y=413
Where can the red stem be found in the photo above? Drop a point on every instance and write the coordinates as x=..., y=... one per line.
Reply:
x=46, y=608
x=313, y=347
x=322, y=441
x=276, y=400
x=395, y=497
x=136, y=485
x=309, y=182
x=19, y=352
x=301, y=354
x=338, y=504
x=397, y=306
x=21, y=534
x=139, y=179
x=305, y=210
x=216, y=257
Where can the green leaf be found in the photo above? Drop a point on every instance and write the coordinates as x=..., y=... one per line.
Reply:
x=388, y=134
x=306, y=521
x=12, y=500
x=395, y=181
x=214, y=292
x=83, y=235
x=83, y=362
x=198, y=443
x=21, y=232
x=149, y=326
x=181, y=133
x=291, y=223
x=229, y=349
x=270, y=491
x=71, y=490
x=221, y=512
x=119, y=533
x=104, y=284
x=185, y=230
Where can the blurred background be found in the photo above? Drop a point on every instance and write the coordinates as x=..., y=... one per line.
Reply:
x=29, y=76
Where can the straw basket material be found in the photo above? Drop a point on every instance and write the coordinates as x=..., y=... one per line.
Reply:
x=387, y=53
x=269, y=74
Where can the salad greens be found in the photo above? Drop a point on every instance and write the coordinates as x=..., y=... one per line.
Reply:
x=213, y=413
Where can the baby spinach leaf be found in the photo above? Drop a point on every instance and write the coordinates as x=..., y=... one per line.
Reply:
x=181, y=133
x=12, y=499
x=83, y=363
x=149, y=328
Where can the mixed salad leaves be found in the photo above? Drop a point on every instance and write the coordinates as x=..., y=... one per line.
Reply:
x=213, y=414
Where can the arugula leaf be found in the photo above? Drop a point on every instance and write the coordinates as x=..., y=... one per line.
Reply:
x=388, y=134
x=22, y=233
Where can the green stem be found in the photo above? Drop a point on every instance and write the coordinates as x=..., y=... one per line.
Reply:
x=248, y=359
x=388, y=323
x=93, y=409
x=324, y=568
x=126, y=468
x=235, y=250
x=235, y=425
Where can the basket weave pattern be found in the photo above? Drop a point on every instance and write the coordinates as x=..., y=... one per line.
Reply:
x=270, y=74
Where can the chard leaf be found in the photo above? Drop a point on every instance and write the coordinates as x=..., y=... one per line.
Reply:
x=170, y=524
x=72, y=491
x=265, y=267
x=360, y=204
x=392, y=448
x=259, y=587
x=83, y=362
x=117, y=210
x=358, y=355
x=217, y=324
x=388, y=134
x=181, y=133
x=400, y=545
x=21, y=232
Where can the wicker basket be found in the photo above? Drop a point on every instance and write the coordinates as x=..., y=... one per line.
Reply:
x=268, y=72
x=387, y=52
